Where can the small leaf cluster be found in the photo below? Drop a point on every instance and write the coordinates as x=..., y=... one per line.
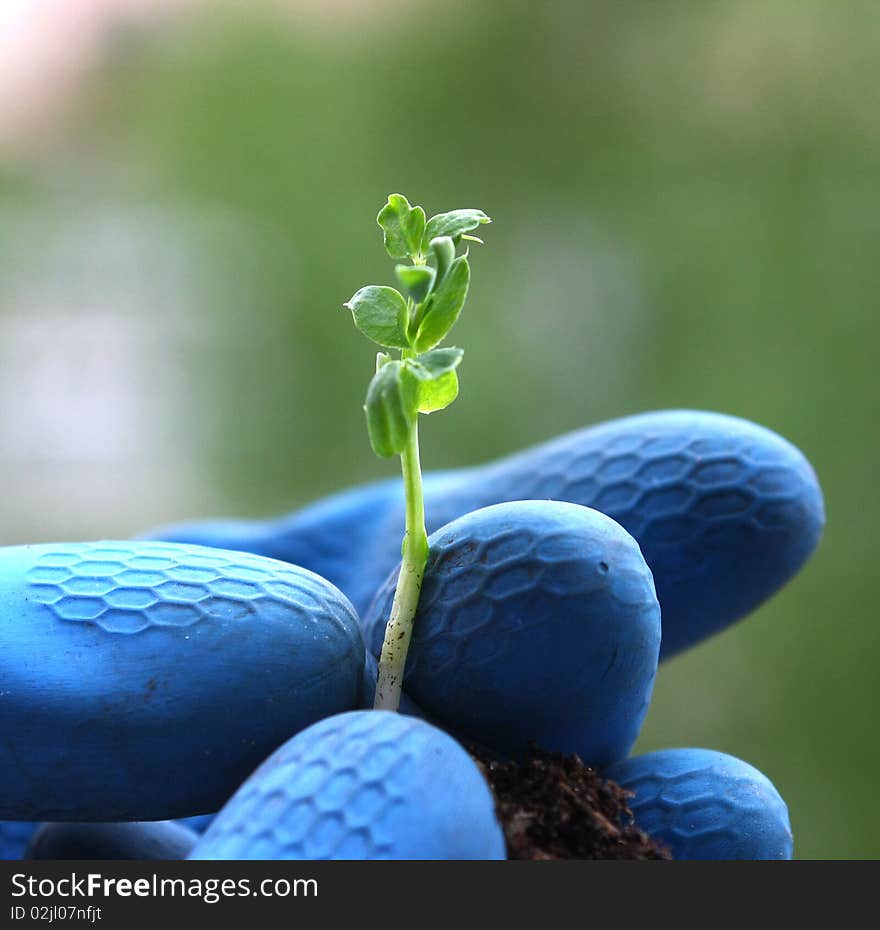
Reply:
x=414, y=319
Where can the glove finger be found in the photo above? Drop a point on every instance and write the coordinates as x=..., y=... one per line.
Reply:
x=706, y=805
x=538, y=622
x=163, y=839
x=144, y=681
x=725, y=513
x=330, y=537
x=363, y=785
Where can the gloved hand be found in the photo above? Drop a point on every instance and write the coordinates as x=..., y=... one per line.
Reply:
x=163, y=839
x=723, y=511
x=363, y=785
x=145, y=680
x=539, y=621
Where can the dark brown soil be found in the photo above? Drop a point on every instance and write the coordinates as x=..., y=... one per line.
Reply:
x=554, y=807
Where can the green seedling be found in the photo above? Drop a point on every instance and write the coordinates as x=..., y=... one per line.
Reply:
x=423, y=379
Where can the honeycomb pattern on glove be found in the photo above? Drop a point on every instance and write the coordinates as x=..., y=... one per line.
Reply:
x=479, y=581
x=128, y=587
x=724, y=511
x=127, y=664
x=343, y=789
x=533, y=598
x=668, y=487
x=706, y=805
x=310, y=803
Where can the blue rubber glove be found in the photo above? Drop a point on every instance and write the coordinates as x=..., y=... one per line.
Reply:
x=363, y=785
x=717, y=505
x=538, y=620
x=161, y=840
x=706, y=805
x=724, y=511
x=143, y=681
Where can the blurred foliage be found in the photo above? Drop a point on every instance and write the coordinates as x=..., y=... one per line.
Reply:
x=684, y=197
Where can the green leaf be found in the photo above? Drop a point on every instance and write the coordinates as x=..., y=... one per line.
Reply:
x=380, y=314
x=402, y=226
x=439, y=393
x=437, y=362
x=443, y=250
x=417, y=279
x=444, y=306
x=391, y=408
x=438, y=382
x=453, y=224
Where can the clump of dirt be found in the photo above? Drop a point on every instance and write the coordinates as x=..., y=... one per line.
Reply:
x=554, y=807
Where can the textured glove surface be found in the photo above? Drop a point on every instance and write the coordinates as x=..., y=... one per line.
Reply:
x=143, y=681
x=725, y=512
x=362, y=785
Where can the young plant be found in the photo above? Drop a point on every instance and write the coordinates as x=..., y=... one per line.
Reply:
x=423, y=379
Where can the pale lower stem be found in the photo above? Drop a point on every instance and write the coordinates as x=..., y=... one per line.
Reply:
x=409, y=582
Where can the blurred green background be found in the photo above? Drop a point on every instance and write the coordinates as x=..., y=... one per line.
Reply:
x=685, y=203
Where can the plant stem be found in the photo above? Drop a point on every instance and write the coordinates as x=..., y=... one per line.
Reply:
x=409, y=582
